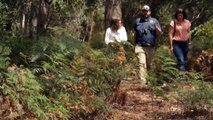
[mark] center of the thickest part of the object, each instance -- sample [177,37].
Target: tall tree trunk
[43,15]
[33,19]
[90,27]
[112,9]
[38,17]
[24,16]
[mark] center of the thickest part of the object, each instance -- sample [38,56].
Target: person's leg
[185,48]
[142,63]
[179,55]
[149,55]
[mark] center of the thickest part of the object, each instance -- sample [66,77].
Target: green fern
[4,57]
[23,87]
[163,68]
[202,36]
[200,96]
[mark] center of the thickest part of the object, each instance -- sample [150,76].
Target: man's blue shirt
[146,31]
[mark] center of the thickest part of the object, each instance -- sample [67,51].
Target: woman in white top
[116,32]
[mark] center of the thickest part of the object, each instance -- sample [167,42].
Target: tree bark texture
[34,17]
[112,10]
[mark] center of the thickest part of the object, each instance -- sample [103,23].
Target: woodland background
[54,64]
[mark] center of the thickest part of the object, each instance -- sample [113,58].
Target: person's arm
[158,29]
[135,33]
[124,34]
[189,30]
[190,37]
[107,34]
[134,37]
[171,30]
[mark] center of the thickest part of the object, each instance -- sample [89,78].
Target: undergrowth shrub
[192,92]
[97,41]
[26,93]
[61,77]
[196,94]
[4,57]
[201,52]
[202,36]
[163,67]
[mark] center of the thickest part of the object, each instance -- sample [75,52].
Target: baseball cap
[146,7]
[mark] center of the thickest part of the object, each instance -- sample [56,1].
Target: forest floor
[141,104]
[135,102]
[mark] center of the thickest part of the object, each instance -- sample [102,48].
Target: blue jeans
[180,49]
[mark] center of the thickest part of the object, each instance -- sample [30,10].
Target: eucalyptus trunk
[34,17]
[112,10]
[43,16]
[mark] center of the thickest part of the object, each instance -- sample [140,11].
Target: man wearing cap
[146,30]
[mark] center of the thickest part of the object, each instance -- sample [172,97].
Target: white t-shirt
[113,36]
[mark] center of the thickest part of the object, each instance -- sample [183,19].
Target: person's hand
[190,45]
[156,26]
[171,49]
[112,44]
[158,29]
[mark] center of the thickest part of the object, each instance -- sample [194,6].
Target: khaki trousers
[145,55]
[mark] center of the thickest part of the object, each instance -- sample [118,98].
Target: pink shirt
[182,30]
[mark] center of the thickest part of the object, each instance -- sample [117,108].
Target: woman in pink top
[179,37]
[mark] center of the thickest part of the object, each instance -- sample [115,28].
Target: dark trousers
[180,49]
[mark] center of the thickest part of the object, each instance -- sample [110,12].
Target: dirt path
[142,104]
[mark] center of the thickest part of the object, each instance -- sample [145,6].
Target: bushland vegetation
[54,63]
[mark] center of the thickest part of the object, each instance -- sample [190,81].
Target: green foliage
[70,14]
[202,36]
[66,74]
[163,69]
[60,76]
[4,57]
[4,16]
[97,41]
[192,91]
[25,90]
[63,78]
[130,11]
[199,95]
[104,69]
[165,14]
